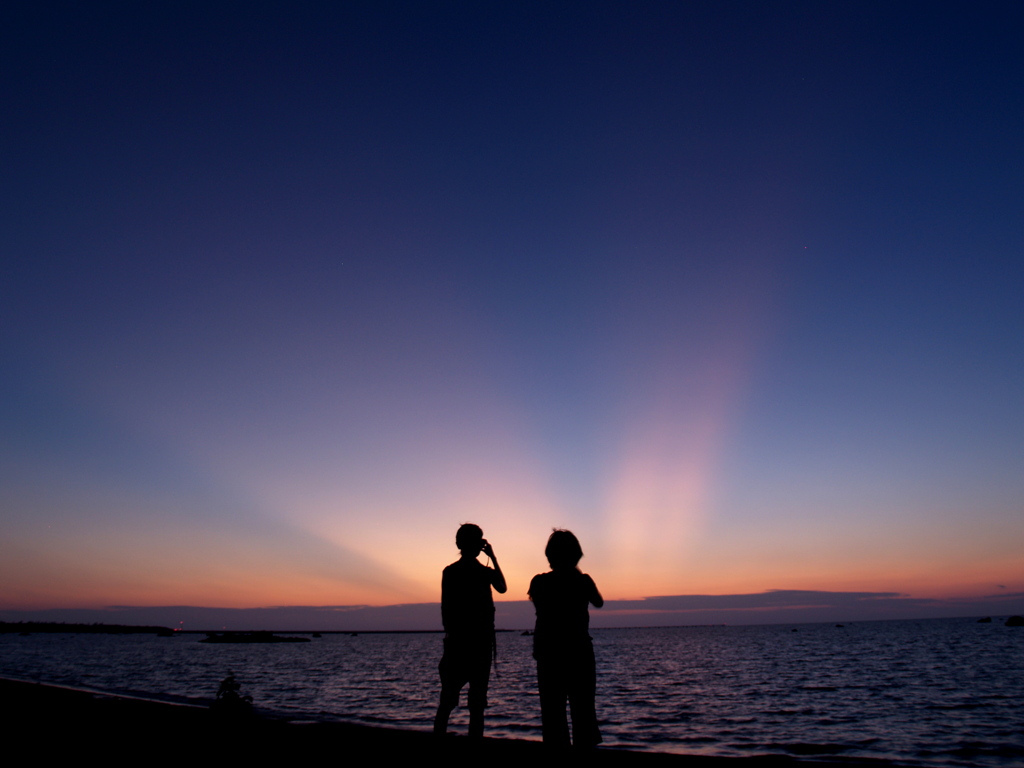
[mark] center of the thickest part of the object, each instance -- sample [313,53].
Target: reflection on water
[945,692]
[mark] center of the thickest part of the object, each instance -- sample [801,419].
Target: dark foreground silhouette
[562,646]
[467,612]
[121,730]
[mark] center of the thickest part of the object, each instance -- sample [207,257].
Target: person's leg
[582,692]
[478,682]
[449,700]
[452,680]
[476,723]
[551,686]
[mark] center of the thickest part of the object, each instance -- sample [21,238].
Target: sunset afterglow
[289,297]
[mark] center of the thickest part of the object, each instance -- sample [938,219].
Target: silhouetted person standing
[467,611]
[562,645]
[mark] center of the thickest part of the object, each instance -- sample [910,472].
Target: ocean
[947,692]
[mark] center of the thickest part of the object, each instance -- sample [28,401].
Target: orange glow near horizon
[304,518]
[226,573]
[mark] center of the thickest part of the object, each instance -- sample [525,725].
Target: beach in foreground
[71,723]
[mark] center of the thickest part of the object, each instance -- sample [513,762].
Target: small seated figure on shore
[230,699]
[562,647]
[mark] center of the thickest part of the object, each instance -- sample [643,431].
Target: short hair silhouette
[468,535]
[467,612]
[566,668]
[563,549]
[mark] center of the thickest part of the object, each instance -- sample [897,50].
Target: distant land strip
[37,627]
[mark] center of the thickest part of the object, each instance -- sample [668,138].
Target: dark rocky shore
[69,724]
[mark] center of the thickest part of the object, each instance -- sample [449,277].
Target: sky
[729,289]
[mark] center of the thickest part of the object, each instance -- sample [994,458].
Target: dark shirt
[561,599]
[466,603]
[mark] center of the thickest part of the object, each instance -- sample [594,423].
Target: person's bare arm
[595,597]
[444,600]
[498,581]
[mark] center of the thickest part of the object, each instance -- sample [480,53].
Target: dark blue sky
[730,289]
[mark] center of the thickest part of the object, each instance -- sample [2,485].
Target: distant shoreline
[56,627]
[772,607]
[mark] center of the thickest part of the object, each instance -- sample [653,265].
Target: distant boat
[250,637]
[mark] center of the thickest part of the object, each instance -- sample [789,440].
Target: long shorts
[466,660]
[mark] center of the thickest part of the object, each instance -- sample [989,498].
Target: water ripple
[940,693]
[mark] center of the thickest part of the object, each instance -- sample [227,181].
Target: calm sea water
[943,692]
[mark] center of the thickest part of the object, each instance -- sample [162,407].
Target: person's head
[469,539]
[563,550]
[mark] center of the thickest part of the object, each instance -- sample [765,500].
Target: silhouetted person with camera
[467,611]
[562,645]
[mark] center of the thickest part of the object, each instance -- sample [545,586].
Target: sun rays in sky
[732,294]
